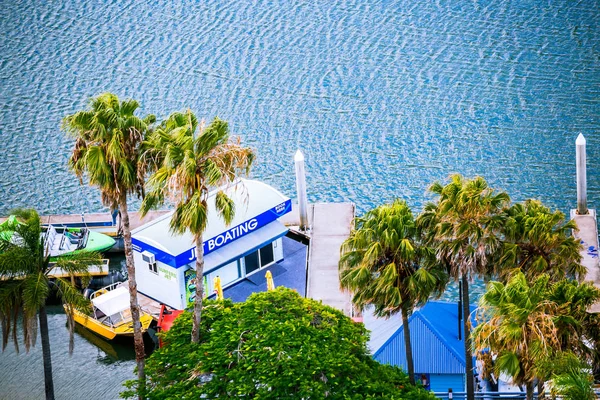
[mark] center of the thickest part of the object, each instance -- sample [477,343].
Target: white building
[165,263]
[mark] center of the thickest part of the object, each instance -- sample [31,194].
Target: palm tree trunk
[199,289]
[467,333]
[133,300]
[409,358]
[541,390]
[529,386]
[47,357]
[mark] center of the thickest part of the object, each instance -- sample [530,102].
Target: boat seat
[98,314]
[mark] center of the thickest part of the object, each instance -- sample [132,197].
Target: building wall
[169,285]
[165,286]
[442,382]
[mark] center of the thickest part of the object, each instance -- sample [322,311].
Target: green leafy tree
[25,285]
[523,322]
[464,228]
[570,379]
[276,345]
[108,148]
[381,265]
[190,160]
[538,241]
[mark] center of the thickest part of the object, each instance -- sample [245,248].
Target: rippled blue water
[383,96]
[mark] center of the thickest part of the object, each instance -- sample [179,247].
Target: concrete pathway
[330,225]
[588,235]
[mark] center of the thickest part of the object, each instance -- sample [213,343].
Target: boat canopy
[113,302]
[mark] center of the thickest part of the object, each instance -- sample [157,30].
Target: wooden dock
[94,270]
[330,225]
[588,235]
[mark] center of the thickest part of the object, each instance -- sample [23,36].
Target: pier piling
[581,175]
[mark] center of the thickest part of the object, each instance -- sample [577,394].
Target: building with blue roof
[438,353]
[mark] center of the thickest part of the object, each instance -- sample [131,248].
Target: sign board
[218,241]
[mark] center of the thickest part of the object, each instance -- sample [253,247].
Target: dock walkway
[588,235]
[331,224]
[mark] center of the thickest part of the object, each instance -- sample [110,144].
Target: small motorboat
[111,315]
[61,241]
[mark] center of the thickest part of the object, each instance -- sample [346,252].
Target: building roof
[257,204]
[434,340]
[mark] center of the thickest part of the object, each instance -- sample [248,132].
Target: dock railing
[495,396]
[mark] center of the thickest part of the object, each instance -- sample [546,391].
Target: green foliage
[25,284]
[537,241]
[187,160]
[108,146]
[571,378]
[384,264]
[276,345]
[529,324]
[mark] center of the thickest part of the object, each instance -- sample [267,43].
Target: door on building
[252,262]
[259,259]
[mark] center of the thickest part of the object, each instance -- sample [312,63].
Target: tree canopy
[529,324]
[276,345]
[384,264]
[188,161]
[25,285]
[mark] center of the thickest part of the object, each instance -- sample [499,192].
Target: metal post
[459,310]
[301,189]
[581,176]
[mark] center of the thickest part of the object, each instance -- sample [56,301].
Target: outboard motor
[87,293]
[103,281]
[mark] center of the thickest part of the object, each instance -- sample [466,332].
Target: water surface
[383,97]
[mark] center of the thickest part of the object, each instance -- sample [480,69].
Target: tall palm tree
[464,228]
[108,140]
[25,285]
[536,241]
[189,161]
[381,264]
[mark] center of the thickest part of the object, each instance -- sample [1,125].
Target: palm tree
[380,264]
[25,285]
[538,241]
[524,322]
[464,227]
[519,327]
[189,161]
[108,139]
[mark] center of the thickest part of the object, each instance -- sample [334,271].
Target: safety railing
[494,396]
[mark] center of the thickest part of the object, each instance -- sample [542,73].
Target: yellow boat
[111,313]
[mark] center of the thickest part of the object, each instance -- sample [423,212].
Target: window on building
[266,255]
[259,259]
[153,268]
[252,262]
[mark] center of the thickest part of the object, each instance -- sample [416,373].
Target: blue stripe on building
[216,242]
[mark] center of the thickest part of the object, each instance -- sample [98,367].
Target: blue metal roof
[434,341]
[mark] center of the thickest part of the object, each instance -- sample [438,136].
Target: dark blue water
[383,97]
